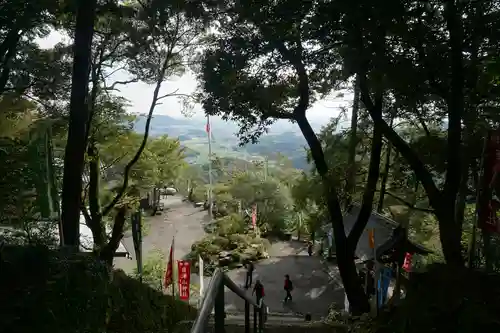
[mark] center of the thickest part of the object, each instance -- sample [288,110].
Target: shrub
[444,299]
[48,291]
[153,269]
[136,307]
[52,291]
[239,248]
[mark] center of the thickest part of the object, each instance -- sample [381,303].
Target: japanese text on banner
[184,273]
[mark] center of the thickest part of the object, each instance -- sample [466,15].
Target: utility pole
[266,167]
[210,181]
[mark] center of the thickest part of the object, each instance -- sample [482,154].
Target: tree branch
[112,87]
[408,204]
[138,154]
[423,175]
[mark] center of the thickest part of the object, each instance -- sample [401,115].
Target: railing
[214,299]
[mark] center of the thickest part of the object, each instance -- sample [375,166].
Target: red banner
[489,196]
[184,272]
[407,262]
[169,272]
[254,216]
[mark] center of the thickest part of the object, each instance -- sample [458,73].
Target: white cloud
[140,94]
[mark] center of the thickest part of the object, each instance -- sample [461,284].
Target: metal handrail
[214,299]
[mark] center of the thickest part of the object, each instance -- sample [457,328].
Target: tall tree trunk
[353,140]
[451,236]
[370,188]
[385,175]
[95,225]
[7,52]
[78,122]
[345,256]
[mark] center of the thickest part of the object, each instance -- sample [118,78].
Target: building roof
[383,228]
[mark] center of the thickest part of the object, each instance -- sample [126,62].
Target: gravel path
[180,219]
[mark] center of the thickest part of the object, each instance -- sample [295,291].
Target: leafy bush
[444,299]
[153,269]
[231,251]
[230,224]
[49,291]
[136,307]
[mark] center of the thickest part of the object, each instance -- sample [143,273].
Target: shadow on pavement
[314,291]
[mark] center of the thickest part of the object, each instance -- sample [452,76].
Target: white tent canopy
[86,238]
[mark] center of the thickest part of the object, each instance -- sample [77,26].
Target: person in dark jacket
[249,276]
[367,278]
[258,290]
[288,286]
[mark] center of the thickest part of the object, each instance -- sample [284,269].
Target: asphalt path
[315,286]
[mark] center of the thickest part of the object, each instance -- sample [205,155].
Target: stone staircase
[276,323]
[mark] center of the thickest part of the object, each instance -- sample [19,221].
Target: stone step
[235,323]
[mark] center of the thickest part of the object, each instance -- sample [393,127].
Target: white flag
[200,273]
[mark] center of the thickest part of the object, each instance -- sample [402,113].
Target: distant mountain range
[283,138]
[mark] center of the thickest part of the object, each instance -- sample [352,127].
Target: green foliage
[153,269]
[444,299]
[231,251]
[52,292]
[138,307]
[58,292]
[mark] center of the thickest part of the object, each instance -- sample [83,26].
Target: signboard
[489,196]
[383,286]
[407,262]
[137,238]
[254,216]
[184,276]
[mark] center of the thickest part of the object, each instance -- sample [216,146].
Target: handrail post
[254,319]
[247,317]
[219,309]
[261,317]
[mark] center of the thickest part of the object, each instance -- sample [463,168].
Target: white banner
[200,273]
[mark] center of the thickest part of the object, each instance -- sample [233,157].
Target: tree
[421,36]
[159,46]
[78,124]
[260,70]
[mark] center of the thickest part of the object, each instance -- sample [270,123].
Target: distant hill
[285,140]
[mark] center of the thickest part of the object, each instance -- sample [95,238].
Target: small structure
[383,230]
[381,247]
[50,229]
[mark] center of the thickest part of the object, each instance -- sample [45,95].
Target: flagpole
[200,273]
[210,180]
[173,267]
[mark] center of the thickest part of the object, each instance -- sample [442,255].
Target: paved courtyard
[314,288]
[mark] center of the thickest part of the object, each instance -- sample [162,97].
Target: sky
[140,94]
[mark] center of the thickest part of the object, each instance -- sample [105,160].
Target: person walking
[288,286]
[310,248]
[249,276]
[258,290]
